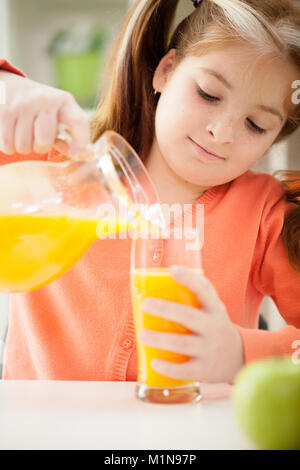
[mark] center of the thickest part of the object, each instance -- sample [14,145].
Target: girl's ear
[163,70]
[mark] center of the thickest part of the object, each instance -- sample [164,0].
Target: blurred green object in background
[79,74]
[78,59]
[266,401]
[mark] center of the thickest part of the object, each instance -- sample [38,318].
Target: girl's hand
[214,346]
[30,115]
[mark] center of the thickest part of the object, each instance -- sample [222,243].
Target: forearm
[258,344]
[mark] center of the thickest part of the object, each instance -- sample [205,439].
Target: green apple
[266,401]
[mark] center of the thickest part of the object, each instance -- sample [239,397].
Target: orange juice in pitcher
[51,212]
[36,249]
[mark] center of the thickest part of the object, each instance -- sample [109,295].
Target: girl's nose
[221,132]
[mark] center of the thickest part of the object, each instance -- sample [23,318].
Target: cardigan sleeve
[5,65]
[274,277]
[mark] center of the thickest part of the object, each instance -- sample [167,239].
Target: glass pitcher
[50,213]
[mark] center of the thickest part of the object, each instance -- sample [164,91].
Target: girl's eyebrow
[219,76]
[271,110]
[223,80]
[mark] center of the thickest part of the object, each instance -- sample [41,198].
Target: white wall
[4,15]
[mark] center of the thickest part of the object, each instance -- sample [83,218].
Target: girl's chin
[190,180]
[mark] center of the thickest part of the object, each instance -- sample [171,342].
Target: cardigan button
[127,344]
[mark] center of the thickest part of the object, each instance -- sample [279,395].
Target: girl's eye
[255,128]
[206,96]
[252,126]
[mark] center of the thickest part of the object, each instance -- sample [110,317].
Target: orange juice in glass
[151,261]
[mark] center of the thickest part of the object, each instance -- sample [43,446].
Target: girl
[200,105]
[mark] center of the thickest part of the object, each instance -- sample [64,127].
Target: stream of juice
[36,249]
[157,282]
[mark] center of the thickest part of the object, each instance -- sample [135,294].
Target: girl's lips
[204,152]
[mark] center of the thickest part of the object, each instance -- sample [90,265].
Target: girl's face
[226,103]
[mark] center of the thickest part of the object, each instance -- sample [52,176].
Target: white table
[106,415]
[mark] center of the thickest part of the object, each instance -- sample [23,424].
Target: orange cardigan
[80,327]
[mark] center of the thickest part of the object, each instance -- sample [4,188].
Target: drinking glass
[151,262]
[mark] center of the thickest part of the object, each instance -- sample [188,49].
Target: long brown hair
[127,102]
[291,227]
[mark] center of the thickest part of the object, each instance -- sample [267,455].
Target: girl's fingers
[62,147]
[194,370]
[23,139]
[7,133]
[45,128]
[192,318]
[44,107]
[190,370]
[187,344]
[76,120]
[200,285]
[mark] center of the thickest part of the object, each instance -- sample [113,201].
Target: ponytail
[127,102]
[290,181]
